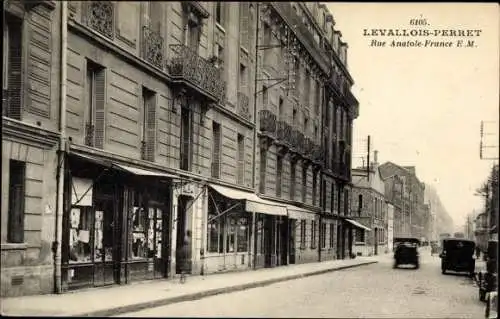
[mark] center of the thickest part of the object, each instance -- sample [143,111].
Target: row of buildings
[128,125]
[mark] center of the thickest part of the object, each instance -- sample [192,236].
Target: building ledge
[13,246]
[18,130]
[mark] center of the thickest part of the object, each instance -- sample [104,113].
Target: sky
[422,106]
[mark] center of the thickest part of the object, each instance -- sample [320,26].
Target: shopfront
[234,240]
[350,228]
[116,224]
[301,222]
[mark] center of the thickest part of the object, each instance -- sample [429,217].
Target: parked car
[406,252]
[458,255]
[487,280]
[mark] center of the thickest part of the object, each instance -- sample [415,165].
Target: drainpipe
[254,146]
[56,245]
[204,217]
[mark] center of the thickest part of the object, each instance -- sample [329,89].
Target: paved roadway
[373,291]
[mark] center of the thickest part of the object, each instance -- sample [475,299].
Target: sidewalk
[134,297]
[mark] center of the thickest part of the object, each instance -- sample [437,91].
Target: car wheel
[417,266]
[443,271]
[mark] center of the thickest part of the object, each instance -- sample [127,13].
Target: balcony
[243,106]
[317,153]
[308,147]
[294,22]
[283,132]
[190,68]
[267,122]
[152,47]
[100,17]
[297,140]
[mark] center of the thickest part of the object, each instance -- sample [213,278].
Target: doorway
[339,241]
[291,240]
[183,224]
[282,241]
[375,242]
[158,227]
[269,241]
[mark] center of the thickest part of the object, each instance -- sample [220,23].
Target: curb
[208,293]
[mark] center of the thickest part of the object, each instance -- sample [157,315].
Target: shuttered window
[346,202]
[313,234]
[314,190]
[332,233]
[241,159]
[263,164]
[216,149]
[185,138]
[279,174]
[303,229]
[149,126]
[304,183]
[12,89]
[323,235]
[243,79]
[15,231]
[244,25]
[293,167]
[332,198]
[96,100]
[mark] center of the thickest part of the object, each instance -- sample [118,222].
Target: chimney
[374,163]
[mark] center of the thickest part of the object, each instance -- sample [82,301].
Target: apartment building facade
[156,125]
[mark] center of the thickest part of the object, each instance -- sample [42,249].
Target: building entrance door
[183,225]
[269,246]
[291,240]
[159,230]
[375,241]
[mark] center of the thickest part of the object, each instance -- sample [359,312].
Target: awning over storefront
[356,224]
[300,213]
[253,203]
[127,168]
[143,172]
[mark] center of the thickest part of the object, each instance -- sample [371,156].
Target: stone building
[370,209]
[176,124]
[406,192]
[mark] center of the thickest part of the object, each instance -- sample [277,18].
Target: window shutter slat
[151,128]
[15,70]
[100,108]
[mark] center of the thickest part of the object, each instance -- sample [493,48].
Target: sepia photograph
[250,159]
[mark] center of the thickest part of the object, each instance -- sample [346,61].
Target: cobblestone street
[373,291]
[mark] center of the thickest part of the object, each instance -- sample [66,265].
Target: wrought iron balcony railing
[189,66]
[318,153]
[100,17]
[152,47]
[243,106]
[267,121]
[297,140]
[308,147]
[89,134]
[283,131]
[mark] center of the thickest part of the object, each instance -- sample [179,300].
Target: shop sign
[81,191]
[187,188]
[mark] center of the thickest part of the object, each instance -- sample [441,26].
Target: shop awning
[356,224]
[300,213]
[253,203]
[143,172]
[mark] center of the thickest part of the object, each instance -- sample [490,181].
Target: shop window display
[139,235]
[81,248]
[242,234]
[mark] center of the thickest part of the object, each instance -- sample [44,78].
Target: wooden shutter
[100,107]
[15,76]
[150,137]
[216,150]
[244,25]
[241,158]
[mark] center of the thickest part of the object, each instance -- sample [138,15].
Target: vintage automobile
[458,255]
[406,251]
[487,280]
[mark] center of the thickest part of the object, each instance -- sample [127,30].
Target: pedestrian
[478,252]
[185,257]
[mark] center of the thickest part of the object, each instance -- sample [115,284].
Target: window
[316,133]
[332,233]
[186,138]
[81,248]
[332,199]
[15,230]
[94,129]
[346,202]
[243,79]
[215,240]
[265,97]
[304,183]
[245,25]
[313,234]
[281,109]
[219,53]
[155,15]
[323,235]
[216,149]
[360,236]
[279,173]
[293,167]
[360,204]
[263,163]
[193,37]
[314,190]
[13,67]
[267,41]
[149,125]
[306,125]
[241,159]
[303,229]
[317,101]
[219,13]
[294,117]
[307,88]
